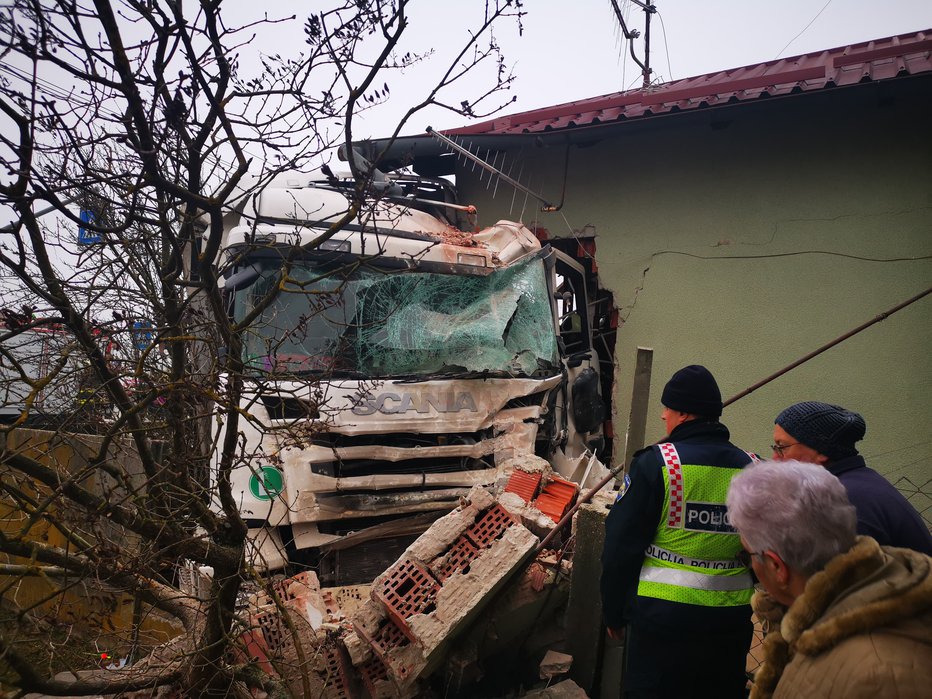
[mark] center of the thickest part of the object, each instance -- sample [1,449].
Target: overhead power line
[803,30]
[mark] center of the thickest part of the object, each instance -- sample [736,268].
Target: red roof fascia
[684,93]
[885,52]
[807,72]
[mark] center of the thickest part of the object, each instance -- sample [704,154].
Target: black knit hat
[693,390]
[829,429]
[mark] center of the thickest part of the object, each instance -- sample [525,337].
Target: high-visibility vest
[693,556]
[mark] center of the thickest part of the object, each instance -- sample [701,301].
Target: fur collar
[819,618]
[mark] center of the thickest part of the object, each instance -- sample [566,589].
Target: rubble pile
[294,635]
[382,641]
[444,578]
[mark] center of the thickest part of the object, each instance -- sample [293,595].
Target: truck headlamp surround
[464,258]
[335,245]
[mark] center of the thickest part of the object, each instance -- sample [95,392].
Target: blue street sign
[142,334]
[86,237]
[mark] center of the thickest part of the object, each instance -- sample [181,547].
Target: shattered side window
[428,323]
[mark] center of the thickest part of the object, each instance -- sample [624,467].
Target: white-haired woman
[858,619]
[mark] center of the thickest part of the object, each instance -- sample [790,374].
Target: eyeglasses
[744,557]
[780,448]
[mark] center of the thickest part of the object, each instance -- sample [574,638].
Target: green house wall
[745,237]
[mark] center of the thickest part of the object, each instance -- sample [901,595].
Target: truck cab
[403,361]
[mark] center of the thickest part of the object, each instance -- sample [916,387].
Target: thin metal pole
[67,201]
[815,353]
[647,13]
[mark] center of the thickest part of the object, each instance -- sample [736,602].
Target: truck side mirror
[242,278]
[588,407]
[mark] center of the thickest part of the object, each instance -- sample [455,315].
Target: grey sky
[571,49]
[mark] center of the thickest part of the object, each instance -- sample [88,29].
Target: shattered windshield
[374,323]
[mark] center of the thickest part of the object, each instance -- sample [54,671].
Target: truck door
[583,403]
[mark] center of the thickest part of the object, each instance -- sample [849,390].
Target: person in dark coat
[671,584]
[825,434]
[850,619]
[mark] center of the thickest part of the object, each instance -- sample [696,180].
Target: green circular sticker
[267,483]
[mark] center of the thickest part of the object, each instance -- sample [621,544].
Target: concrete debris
[441,581]
[301,593]
[529,463]
[532,518]
[536,494]
[555,663]
[343,602]
[454,236]
[379,640]
[516,625]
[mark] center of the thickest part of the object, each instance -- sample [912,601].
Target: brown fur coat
[861,628]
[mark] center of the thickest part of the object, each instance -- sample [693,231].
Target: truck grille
[404,440]
[374,467]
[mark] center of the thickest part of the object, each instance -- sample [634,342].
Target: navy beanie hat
[693,390]
[829,429]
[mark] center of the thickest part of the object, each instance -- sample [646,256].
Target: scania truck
[405,360]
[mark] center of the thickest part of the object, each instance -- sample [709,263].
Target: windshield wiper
[333,373]
[462,374]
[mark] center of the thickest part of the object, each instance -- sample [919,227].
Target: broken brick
[405,589]
[374,676]
[331,668]
[490,526]
[460,555]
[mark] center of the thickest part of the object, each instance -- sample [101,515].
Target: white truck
[404,362]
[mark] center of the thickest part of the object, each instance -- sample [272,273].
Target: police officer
[670,571]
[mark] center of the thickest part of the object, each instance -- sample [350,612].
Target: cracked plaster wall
[768,184]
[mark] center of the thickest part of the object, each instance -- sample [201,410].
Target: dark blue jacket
[632,524]
[883,512]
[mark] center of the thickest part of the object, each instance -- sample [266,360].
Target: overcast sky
[571,49]
[580,51]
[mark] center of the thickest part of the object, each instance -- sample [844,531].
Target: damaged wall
[744,237]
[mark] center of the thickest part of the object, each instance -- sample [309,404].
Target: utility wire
[804,29]
[831,253]
[666,47]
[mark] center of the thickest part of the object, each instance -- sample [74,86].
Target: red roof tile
[523,484]
[881,59]
[556,497]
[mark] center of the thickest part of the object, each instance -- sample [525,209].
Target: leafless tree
[135,123]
